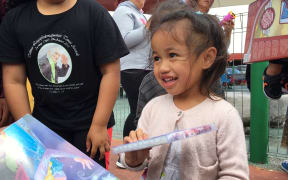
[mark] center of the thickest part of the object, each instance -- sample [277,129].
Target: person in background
[275,84]
[133,27]
[204,6]
[6,117]
[80,107]
[189,54]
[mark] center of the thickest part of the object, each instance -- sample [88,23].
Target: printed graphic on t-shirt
[54,53]
[54,63]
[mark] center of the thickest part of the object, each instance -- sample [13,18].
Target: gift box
[29,150]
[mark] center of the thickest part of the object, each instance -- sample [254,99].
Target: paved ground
[256,173]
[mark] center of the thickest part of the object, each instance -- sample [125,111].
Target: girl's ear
[209,56]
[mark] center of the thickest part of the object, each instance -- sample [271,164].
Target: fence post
[259,112]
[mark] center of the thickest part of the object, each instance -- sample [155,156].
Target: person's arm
[138,160]
[142,101]
[228,27]
[4,110]
[97,136]
[125,23]
[233,161]
[4,113]
[14,83]
[149,88]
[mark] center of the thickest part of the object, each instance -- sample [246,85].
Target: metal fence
[236,93]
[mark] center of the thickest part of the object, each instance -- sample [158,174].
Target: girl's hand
[135,158]
[64,59]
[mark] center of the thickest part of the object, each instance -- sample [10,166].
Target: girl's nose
[164,66]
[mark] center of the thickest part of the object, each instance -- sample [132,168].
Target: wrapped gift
[31,151]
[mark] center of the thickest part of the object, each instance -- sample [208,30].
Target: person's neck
[136,4]
[52,7]
[188,99]
[203,10]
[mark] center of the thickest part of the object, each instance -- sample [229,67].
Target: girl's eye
[156,58]
[172,55]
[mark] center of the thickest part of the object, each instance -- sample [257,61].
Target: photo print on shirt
[54,63]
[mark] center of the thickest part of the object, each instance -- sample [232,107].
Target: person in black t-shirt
[79,104]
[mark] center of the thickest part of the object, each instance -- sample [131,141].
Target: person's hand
[228,27]
[97,138]
[135,158]
[147,25]
[64,59]
[55,57]
[4,112]
[85,162]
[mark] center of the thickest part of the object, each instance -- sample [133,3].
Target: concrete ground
[256,173]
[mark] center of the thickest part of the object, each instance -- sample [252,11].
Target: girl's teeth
[170,79]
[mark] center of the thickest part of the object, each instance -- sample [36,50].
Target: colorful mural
[267,31]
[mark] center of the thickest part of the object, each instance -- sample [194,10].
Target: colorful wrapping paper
[31,151]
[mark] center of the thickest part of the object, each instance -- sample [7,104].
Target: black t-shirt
[62,54]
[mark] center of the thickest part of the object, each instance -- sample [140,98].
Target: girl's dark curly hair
[164,8]
[159,12]
[202,31]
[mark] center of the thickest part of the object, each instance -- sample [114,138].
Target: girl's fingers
[127,140]
[133,136]
[145,136]
[139,134]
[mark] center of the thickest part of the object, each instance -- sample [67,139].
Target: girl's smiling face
[175,67]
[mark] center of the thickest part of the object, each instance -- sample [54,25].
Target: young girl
[189,54]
